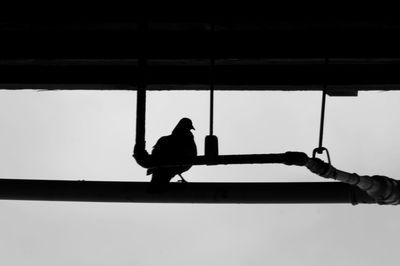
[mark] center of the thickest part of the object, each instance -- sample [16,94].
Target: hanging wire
[320,149]
[211,79]
[211,141]
[321,127]
[211,103]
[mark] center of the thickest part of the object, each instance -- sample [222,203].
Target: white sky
[90,135]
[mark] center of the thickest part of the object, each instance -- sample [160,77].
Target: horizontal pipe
[288,158]
[102,191]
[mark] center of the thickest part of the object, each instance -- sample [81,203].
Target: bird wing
[160,151]
[162,147]
[175,147]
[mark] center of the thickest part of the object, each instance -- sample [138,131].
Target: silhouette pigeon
[179,145]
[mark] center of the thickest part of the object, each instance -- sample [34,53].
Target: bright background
[90,135]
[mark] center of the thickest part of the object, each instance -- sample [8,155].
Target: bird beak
[192,127]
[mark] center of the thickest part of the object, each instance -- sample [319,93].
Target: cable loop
[320,150]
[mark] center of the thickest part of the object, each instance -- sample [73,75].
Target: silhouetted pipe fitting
[211,148]
[317,166]
[382,189]
[141,156]
[385,190]
[296,158]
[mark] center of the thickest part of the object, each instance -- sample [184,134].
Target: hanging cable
[211,76]
[321,127]
[320,149]
[211,141]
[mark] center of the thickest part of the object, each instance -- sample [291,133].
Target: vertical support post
[140,152]
[141,118]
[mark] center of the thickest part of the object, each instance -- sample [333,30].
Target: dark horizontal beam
[193,44]
[251,52]
[186,38]
[101,191]
[362,76]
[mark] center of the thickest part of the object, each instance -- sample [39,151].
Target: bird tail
[159,181]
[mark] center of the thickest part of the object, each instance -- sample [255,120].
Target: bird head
[185,124]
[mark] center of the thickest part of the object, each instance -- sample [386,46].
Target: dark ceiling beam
[267,36]
[102,191]
[195,77]
[252,53]
[126,44]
